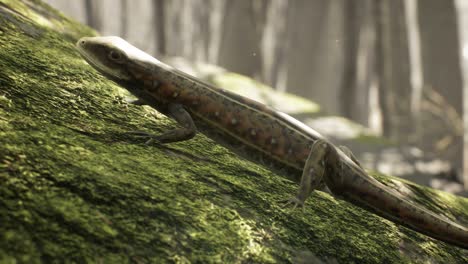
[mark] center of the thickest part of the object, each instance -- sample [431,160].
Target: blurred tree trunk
[359,96]
[315,58]
[415,67]
[239,48]
[359,59]
[462,12]
[439,33]
[258,10]
[394,75]
[196,28]
[442,78]
[93,16]
[273,37]
[218,10]
[351,37]
[414,46]
[124,19]
[160,26]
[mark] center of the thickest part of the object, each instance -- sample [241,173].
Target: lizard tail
[396,208]
[363,190]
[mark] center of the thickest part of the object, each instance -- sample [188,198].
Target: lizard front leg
[183,118]
[312,173]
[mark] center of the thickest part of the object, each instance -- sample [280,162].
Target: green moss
[75,187]
[374,140]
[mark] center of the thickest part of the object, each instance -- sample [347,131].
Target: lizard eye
[115,56]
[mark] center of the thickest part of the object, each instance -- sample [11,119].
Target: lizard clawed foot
[293,202]
[142,134]
[135,101]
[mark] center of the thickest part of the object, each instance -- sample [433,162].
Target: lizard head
[114,57]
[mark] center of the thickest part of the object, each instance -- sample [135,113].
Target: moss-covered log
[74,186]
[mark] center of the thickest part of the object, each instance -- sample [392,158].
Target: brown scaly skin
[355,186]
[256,132]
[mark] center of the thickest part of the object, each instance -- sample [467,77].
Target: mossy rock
[76,188]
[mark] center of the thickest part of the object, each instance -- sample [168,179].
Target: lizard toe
[292,202]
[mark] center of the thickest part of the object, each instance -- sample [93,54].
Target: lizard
[256,132]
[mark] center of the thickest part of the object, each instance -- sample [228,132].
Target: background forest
[397,67]
[385,78]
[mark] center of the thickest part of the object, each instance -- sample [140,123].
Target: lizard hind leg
[350,155]
[312,174]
